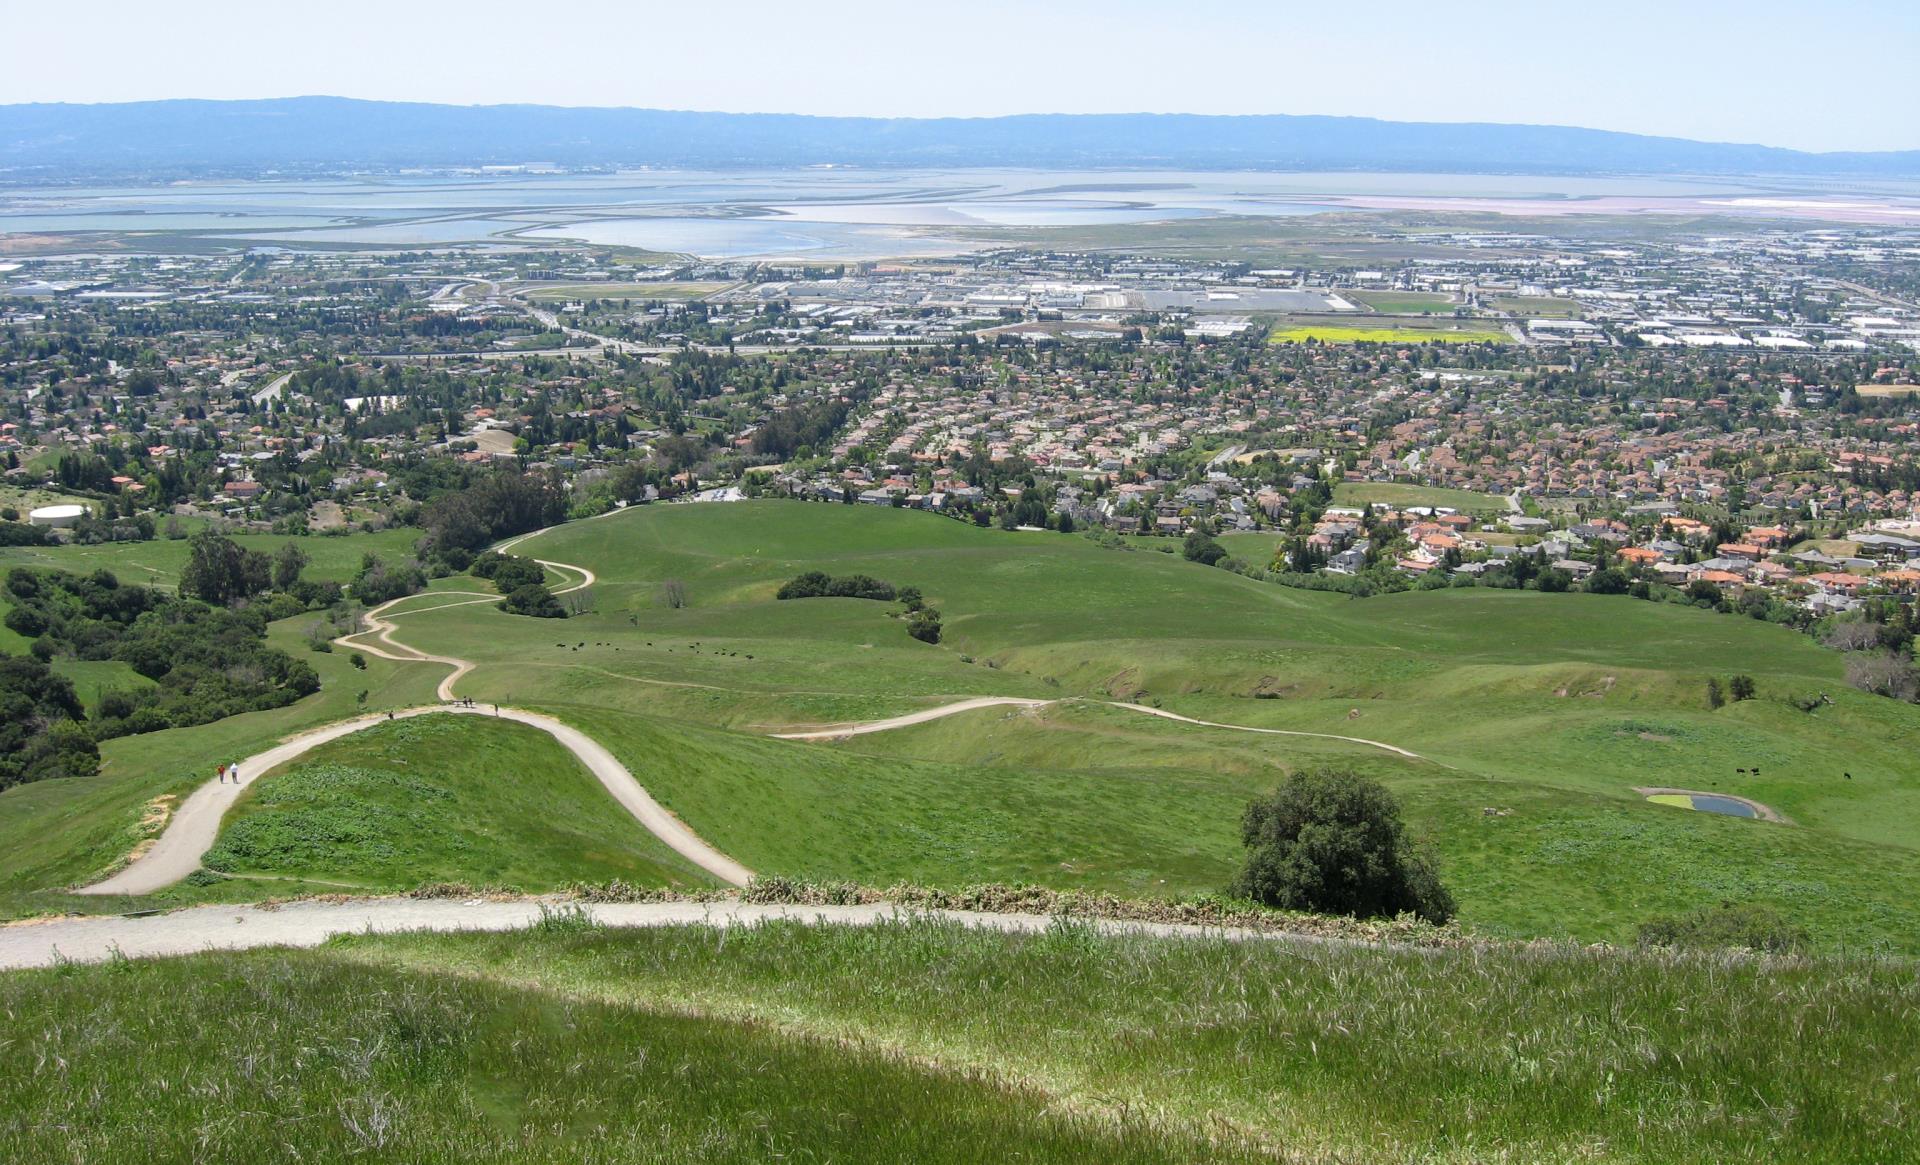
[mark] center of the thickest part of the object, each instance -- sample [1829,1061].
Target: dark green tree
[288,562]
[221,571]
[1330,840]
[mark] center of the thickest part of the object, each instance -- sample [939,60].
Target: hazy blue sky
[1838,74]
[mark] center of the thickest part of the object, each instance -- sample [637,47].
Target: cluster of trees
[1199,546]
[499,505]
[534,600]
[816,584]
[1878,642]
[508,572]
[805,426]
[923,622]
[522,581]
[41,733]
[379,581]
[206,662]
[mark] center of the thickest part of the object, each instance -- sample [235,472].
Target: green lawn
[927,1041]
[1546,307]
[440,799]
[1404,302]
[1362,493]
[1553,705]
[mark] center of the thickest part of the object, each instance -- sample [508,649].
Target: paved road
[273,388]
[306,924]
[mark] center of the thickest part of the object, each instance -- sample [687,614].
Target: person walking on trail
[233,770]
[220,771]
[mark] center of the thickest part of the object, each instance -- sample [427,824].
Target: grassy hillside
[439,799]
[1535,716]
[929,1042]
[1553,707]
[54,834]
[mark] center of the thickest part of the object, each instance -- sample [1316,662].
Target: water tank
[58,517]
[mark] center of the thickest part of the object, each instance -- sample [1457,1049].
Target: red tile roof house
[1905,582]
[1834,582]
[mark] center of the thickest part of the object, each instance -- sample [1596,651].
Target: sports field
[1361,493]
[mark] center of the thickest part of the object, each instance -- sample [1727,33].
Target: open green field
[1411,303]
[1393,493]
[1551,706]
[158,563]
[565,292]
[92,677]
[1546,307]
[1402,331]
[1548,710]
[928,1042]
[439,799]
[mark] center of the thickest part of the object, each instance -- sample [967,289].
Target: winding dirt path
[841,732]
[195,825]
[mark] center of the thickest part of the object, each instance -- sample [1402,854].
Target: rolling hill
[321,132]
[1528,723]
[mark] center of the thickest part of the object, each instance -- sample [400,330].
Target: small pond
[1706,803]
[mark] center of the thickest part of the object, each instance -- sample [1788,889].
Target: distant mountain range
[47,142]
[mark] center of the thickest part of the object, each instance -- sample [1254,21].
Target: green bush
[1201,548]
[924,625]
[1332,841]
[1728,926]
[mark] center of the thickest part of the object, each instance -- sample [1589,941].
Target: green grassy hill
[462,799]
[1535,716]
[928,1042]
[1552,707]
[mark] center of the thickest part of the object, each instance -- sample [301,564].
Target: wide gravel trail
[309,923]
[196,824]
[861,728]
